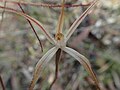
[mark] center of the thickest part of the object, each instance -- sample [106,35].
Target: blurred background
[97,38]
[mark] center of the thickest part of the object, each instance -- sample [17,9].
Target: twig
[49,5]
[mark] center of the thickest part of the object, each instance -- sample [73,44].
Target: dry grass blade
[48,36]
[85,62]
[32,29]
[58,57]
[2,84]
[41,64]
[48,5]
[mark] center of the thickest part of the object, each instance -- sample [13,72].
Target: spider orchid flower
[59,42]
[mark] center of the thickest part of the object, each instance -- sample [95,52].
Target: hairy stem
[58,57]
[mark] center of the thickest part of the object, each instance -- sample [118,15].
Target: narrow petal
[61,19]
[85,62]
[41,64]
[48,36]
[79,20]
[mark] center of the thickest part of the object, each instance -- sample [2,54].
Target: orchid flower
[59,43]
